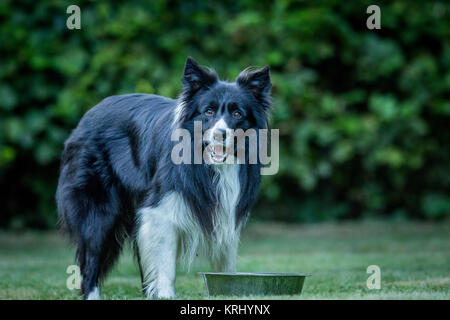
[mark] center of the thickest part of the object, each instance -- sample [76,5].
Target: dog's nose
[220,135]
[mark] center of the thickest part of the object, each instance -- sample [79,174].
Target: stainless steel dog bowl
[247,284]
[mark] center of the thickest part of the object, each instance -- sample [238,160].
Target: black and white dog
[118,179]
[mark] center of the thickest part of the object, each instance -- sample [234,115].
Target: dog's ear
[257,81]
[196,77]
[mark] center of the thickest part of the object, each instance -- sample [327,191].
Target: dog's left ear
[196,77]
[257,81]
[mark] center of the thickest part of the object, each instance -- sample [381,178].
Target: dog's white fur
[178,112]
[221,124]
[94,294]
[170,230]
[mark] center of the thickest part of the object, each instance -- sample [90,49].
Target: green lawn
[414,260]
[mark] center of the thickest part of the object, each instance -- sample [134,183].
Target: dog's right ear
[196,77]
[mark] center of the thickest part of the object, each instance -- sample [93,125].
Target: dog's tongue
[219,150]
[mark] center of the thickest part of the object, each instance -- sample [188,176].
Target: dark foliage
[363,114]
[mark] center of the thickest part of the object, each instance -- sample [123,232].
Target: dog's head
[223,107]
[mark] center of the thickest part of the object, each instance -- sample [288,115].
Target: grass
[414,260]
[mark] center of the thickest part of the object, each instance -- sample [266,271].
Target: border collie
[117,178]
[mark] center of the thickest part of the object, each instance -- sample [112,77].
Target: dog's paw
[160,294]
[166,293]
[94,294]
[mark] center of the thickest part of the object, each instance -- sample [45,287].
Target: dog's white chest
[228,191]
[228,187]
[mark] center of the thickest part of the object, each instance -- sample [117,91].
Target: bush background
[363,114]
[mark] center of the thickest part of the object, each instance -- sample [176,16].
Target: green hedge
[363,115]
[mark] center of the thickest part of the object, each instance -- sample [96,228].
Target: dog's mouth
[218,153]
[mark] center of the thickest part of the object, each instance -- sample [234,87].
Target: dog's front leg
[157,242]
[225,260]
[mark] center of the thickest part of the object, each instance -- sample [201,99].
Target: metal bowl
[247,284]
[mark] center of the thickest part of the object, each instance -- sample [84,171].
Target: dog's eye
[209,112]
[237,115]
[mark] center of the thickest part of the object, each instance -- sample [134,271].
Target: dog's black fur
[117,160]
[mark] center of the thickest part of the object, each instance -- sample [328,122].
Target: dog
[118,181]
